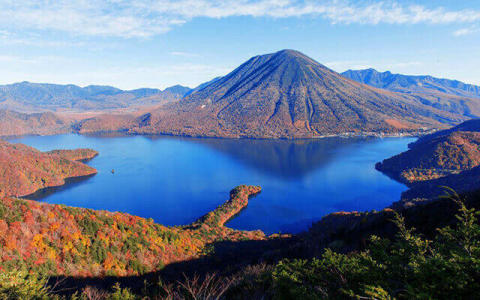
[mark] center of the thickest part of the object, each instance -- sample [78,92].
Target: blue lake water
[176,180]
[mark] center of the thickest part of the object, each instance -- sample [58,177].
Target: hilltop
[15,123]
[419,83]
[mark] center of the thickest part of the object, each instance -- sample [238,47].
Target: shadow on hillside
[227,258]
[69,183]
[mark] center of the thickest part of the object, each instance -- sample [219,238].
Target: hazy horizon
[158,44]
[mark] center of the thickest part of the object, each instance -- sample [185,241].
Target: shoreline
[122,133]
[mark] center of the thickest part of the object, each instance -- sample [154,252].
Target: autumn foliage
[60,240]
[24,170]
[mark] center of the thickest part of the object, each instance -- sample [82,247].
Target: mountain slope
[449,95]
[434,158]
[24,170]
[446,158]
[28,97]
[14,123]
[202,85]
[470,125]
[287,94]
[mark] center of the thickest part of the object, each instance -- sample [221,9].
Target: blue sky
[159,43]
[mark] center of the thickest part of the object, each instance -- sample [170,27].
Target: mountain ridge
[445,94]
[33,97]
[392,81]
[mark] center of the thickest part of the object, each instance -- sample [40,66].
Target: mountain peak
[290,52]
[293,55]
[288,94]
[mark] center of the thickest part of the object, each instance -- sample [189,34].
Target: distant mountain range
[34,97]
[445,94]
[402,83]
[287,94]
[279,95]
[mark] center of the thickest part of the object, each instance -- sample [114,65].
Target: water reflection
[283,158]
[69,183]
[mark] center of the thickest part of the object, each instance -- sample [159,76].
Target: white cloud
[145,18]
[466,31]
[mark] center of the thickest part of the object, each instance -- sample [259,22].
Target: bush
[21,285]
[89,227]
[120,294]
[410,267]
[99,253]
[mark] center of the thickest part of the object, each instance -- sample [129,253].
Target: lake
[176,180]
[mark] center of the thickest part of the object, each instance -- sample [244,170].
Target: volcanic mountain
[289,95]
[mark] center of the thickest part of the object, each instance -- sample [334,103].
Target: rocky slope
[24,170]
[445,94]
[287,94]
[34,97]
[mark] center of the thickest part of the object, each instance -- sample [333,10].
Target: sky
[160,43]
